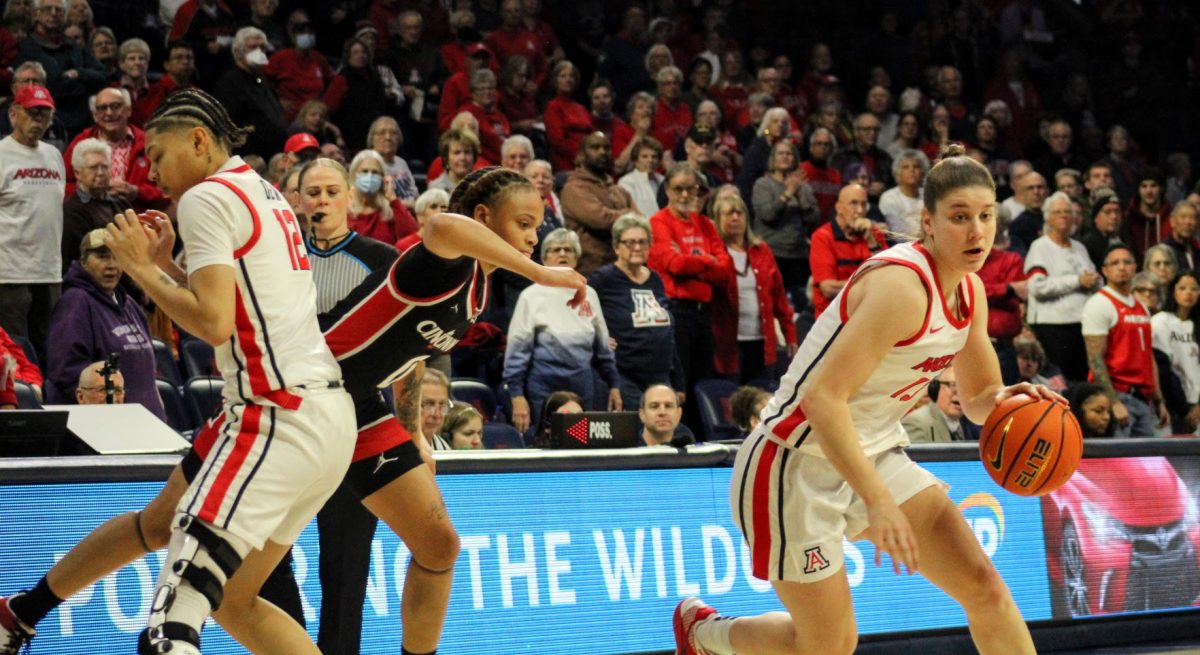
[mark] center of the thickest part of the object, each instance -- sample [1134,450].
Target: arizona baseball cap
[300,141]
[33,95]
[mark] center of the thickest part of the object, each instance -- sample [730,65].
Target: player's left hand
[129,242]
[566,278]
[1029,389]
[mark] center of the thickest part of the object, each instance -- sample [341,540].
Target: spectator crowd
[717,168]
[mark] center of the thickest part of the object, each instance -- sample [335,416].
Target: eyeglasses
[1162,263]
[96,168]
[435,405]
[112,106]
[822,144]
[560,250]
[634,244]
[685,189]
[1145,290]
[116,389]
[866,128]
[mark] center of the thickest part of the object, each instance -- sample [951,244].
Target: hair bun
[954,150]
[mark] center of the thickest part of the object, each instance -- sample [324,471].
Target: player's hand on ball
[1031,390]
[128,241]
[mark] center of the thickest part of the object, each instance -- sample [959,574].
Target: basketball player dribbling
[379,333]
[828,463]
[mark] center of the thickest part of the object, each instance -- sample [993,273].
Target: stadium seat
[27,346]
[26,396]
[202,396]
[500,436]
[165,365]
[713,396]
[198,358]
[178,416]
[475,393]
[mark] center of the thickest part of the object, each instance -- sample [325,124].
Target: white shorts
[271,469]
[794,509]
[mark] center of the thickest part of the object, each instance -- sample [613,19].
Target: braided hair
[486,186]
[195,108]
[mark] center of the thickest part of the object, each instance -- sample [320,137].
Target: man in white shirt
[32,186]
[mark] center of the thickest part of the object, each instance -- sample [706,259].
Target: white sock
[712,634]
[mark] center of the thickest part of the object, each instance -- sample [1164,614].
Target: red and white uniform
[278,397]
[793,506]
[1126,323]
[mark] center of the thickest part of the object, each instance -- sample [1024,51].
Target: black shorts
[367,476]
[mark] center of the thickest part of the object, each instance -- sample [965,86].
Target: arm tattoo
[407,391]
[1100,373]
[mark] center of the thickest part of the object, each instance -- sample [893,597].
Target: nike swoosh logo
[998,460]
[936,329]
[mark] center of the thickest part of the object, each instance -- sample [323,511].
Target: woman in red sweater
[567,121]
[745,309]
[687,253]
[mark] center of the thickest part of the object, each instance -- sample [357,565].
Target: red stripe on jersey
[916,269]
[761,510]
[260,384]
[1035,270]
[254,236]
[203,442]
[369,317]
[954,320]
[783,429]
[244,442]
[378,438]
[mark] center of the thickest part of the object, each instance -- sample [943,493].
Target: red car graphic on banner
[1122,536]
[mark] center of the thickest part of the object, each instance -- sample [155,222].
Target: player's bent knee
[154,529]
[438,550]
[984,590]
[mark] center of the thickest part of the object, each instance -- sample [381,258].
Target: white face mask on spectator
[305,41]
[256,57]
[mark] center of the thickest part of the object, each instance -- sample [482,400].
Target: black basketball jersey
[420,306]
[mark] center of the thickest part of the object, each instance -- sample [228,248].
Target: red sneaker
[13,632]
[688,613]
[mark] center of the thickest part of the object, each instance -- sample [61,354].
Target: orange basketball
[1031,446]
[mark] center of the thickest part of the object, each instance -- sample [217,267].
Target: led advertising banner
[1122,536]
[584,562]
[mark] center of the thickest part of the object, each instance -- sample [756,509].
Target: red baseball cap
[478,49]
[33,95]
[300,141]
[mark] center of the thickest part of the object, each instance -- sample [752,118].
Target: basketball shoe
[688,613]
[13,632]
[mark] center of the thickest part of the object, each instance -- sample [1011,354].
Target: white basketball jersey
[238,219]
[900,379]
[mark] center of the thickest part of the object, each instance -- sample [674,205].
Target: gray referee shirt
[337,271]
